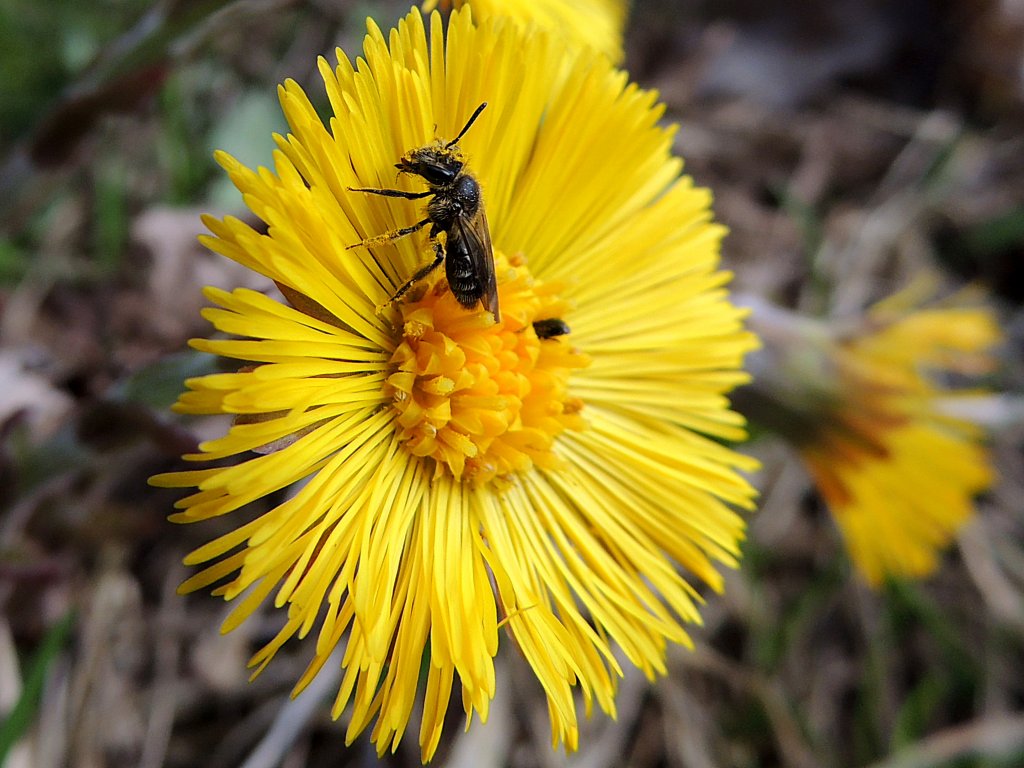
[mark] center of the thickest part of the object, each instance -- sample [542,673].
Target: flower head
[594,23]
[466,477]
[869,411]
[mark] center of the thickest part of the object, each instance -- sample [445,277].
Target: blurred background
[853,147]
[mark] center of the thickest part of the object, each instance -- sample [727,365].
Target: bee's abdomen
[462,278]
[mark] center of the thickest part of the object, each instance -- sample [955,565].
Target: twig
[294,715]
[995,738]
[166,685]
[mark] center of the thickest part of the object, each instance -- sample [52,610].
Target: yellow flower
[867,409]
[594,23]
[464,476]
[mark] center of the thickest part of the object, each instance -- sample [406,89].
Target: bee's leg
[387,237]
[392,192]
[420,274]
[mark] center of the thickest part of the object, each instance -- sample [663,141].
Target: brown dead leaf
[181,268]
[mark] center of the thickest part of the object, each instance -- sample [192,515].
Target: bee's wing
[476,236]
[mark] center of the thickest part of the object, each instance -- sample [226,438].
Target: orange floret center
[484,399]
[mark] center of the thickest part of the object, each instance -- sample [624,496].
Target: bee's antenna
[465,128]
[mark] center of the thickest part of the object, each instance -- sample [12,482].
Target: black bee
[548,329]
[457,209]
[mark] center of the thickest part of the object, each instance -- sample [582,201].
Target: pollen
[484,400]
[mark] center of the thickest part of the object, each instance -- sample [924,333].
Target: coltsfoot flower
[463,478]
[869,410]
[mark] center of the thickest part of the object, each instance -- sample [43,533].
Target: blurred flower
[869,410]
[463,475]
[594,23]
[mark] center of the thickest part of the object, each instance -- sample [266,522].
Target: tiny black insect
[547,329]
[457,209]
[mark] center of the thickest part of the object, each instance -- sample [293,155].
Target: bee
[548,329]
[457,210]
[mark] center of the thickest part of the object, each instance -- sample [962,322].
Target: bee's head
[437,164]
